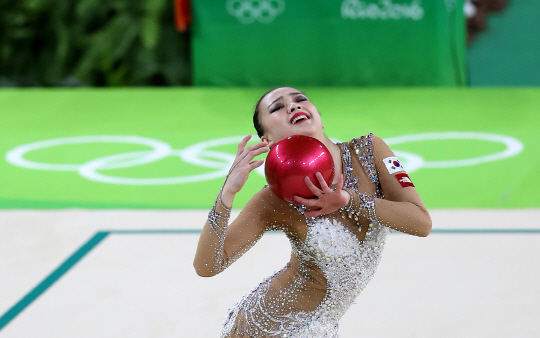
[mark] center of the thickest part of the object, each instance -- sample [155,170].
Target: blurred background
[60,43]
[119,121]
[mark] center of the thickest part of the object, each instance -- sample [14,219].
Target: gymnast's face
[287,111]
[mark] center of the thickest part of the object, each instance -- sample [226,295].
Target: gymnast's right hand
[242,166]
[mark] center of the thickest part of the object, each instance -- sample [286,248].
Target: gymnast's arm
[402,209]
[221,244]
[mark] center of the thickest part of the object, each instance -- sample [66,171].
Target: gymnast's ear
[266,139]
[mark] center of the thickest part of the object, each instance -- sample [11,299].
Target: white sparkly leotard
[333,256]
[347,264]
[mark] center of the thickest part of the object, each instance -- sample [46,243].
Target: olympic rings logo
[249,11]
[202,155]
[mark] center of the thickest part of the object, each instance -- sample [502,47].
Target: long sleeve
[401,207]
[221,243]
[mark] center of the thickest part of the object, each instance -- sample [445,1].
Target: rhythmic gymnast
[337,238]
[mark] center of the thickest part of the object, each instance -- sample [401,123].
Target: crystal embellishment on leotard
[346,262]
[351,185]
[348,265]
[362,147]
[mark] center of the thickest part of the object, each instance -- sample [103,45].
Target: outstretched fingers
[254,152]
[255,164]
[312,187]
[327,200]
[324,187]
[339,183]
[242,145]
[247,154]
[243,164]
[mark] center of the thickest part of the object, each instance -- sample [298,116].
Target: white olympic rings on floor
[201,155]
[249,11]
[513,147]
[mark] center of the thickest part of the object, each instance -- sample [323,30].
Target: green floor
[194,133]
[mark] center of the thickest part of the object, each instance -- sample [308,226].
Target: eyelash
[276,108]
[299,99]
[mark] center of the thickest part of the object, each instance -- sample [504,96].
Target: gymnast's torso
[333,258]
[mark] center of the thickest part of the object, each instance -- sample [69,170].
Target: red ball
[292,159]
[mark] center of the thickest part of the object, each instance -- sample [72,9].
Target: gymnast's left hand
[327,200]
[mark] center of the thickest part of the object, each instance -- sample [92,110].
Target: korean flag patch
[393,165]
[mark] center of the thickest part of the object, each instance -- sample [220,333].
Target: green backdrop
[327,43]
[190,119]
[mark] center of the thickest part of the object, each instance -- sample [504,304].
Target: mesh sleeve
[222,243]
